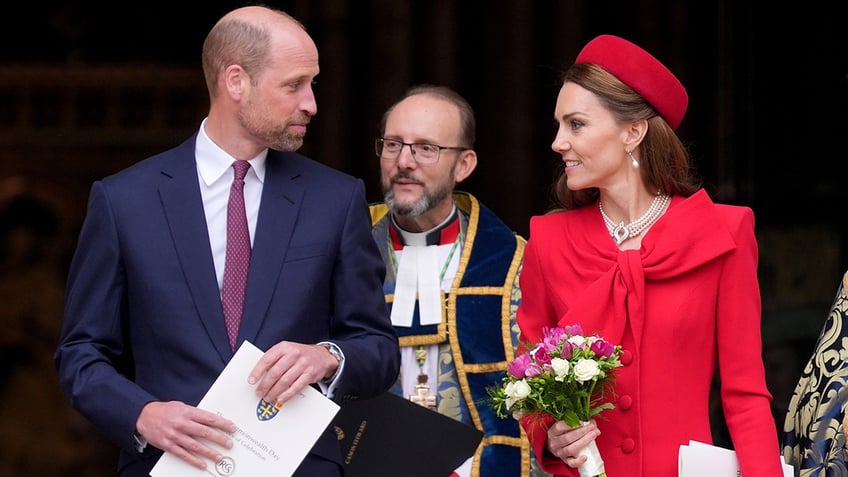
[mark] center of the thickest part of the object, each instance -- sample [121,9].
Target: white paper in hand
[704,460]
[269,441]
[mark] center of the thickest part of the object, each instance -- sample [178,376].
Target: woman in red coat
[641,255]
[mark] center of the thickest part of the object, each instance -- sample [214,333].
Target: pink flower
[574,330]
[518,366]
[567,349]
[603,348]
[541,356]
[532,370]
[553,336]
[548,345]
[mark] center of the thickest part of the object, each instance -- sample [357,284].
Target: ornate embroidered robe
[477,334]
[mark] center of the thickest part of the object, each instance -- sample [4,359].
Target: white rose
[586,370]
[515,392]
[520,389]
[578,341]
[560,367]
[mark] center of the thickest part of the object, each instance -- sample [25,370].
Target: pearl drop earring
[633,160]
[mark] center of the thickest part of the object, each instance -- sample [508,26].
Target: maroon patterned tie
[238,254]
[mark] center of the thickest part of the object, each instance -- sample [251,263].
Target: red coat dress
[688,300]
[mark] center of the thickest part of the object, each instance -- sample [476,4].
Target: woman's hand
[565,441]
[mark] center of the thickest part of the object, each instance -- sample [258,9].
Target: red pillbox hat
[638,69]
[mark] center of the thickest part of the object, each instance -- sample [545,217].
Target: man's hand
[286,368]
[180,429]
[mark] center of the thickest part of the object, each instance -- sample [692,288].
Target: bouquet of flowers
[566,375]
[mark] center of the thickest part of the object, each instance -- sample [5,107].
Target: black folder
[390,436]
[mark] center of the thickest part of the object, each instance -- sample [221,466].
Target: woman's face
[589,139]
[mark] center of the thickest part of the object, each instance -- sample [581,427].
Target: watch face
[333,351]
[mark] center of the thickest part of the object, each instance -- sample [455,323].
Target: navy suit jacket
[143,315]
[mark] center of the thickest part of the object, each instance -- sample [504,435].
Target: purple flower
[603,348]
[541,355]
[574,330]
[553,336]
[532,370]
[518,366]
[567,350]
[548,345]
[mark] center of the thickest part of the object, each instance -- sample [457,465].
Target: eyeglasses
[423,153]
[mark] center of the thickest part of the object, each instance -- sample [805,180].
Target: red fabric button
[625,402]
[627,445]
[626,357]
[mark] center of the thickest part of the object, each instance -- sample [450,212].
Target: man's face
[412,189]
[281,101]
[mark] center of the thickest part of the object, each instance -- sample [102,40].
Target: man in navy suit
[144,334]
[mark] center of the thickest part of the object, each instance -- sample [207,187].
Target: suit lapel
[180,193]
[281,200]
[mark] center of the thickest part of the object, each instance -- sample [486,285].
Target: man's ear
[235,81]
[465,165]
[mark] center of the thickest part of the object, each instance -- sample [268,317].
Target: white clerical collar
[441,234]
[418,272]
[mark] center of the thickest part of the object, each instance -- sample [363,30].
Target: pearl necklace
[622,232]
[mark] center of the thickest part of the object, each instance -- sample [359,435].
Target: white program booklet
[704,460]
[269,440]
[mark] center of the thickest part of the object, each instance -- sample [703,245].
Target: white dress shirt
[215,172]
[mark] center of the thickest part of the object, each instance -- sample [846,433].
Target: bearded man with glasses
[452,270]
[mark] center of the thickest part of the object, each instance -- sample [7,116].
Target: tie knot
[241,168]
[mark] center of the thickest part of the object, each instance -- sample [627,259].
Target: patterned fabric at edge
[814,433]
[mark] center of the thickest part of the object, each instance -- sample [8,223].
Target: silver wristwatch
[337,353]
[333,349]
